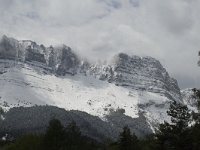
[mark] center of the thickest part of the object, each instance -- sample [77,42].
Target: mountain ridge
[64,61]
[32,74]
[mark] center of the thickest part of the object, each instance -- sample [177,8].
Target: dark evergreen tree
[73,138]
[176,135]
[135,142]
[1,111]
[56,138]
[195,129]
[73,130]
[55,135]
[127,141]
[180,116]
[26,142]
[196,95]
[196,136]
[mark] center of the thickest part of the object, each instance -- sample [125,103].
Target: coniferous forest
[182,133]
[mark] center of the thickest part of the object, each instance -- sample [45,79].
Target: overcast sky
[168,30]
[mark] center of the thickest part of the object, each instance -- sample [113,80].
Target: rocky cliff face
[128,71]
[60,59]
[32,74]
[140,73]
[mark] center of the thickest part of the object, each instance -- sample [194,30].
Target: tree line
[182,133]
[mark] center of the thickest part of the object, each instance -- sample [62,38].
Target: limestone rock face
[69,62]
[9,48]
[140,73]
[118,91]
[61,59]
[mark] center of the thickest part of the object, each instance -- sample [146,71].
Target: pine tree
[73,130]
[73,135]
[196,96]
[176,135]
[180,116]
[127,141]
[1,111]
[195,129]
[55,135]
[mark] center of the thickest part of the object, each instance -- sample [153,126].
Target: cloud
[167,30]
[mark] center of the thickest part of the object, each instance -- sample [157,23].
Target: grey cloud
[177,16]
[167,30]
[135,3]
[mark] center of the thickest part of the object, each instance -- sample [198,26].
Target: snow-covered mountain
[32,74]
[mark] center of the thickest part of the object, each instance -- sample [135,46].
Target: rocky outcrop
[61,59]
[31,55]
[69,62]
[140,73]
[9,48]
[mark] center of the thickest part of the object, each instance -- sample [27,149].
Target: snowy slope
[27,85]
[24,85]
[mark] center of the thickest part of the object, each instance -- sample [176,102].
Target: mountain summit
[131,86]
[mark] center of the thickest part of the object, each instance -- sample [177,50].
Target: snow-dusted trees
[176,135]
